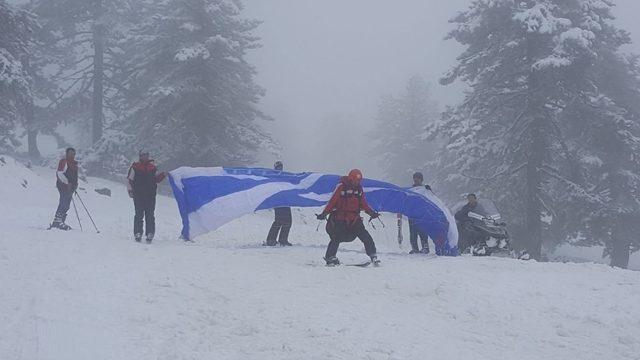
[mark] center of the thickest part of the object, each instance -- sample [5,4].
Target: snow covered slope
[80,295]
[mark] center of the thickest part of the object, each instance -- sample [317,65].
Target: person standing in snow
[345,223]
[281,223]
[414,232]
[67,183]
[143,185]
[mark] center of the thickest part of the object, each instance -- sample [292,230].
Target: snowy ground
[81,295]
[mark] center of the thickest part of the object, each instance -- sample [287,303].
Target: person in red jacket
[345,223]
[143,185]
[67,183]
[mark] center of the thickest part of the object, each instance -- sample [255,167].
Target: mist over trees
[188,94]
[16,38]
[166,76]
[398,131]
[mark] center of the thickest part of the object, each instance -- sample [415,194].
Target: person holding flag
[143,180]
[344,223]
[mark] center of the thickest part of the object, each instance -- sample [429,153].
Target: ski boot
[63,226]
[149,238]
[414,251]
[137,237]
[375,261]
[58,222]
[267,243]
[285,243]
[59,225]
[332,261]
[425,251]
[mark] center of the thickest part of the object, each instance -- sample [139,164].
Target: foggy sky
[324,62]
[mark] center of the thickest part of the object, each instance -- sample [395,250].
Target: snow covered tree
[603,126]
[16,29]
[83,44]
[525,63]
[191,94]
[399,126]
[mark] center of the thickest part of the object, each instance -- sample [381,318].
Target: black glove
[374,215]
[321,216]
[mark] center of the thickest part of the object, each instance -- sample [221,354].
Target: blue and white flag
[211,197]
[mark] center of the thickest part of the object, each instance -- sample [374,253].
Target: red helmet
[355,176]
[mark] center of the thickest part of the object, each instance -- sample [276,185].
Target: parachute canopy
[211,197]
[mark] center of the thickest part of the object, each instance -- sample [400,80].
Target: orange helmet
[355,176]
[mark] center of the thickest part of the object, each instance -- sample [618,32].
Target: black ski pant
[145,206]
[341,231]
[414,234]
[282,225]
[64,203]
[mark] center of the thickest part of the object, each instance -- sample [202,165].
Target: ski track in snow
[80,295]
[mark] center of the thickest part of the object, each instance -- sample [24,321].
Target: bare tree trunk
[621,247]
[535,150]
[533,188]
[32,132]
[620,253]
[98,72]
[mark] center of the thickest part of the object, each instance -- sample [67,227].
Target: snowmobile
[485,234]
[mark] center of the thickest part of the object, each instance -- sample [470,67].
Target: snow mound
[81,295]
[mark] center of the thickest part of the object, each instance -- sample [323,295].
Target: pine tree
[525,62]
[193,100]
[82,46]
[399,127]
[16,29]
[603,126]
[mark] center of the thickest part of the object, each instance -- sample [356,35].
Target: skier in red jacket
[67,183]
[345,223]
[143,185]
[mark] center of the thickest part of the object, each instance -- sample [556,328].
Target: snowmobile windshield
[487,209]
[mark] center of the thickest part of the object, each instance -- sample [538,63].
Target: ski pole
[371,223]
[88,213]
[77,215]
[373,226]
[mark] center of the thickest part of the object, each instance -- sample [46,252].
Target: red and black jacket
[143,178]
[347,201]
[67,175]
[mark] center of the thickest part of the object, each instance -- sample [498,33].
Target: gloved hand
[374,215]
[131,194]
[321,216]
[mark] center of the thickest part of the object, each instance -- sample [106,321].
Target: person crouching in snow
[143,185]
[67,183]
[345,223]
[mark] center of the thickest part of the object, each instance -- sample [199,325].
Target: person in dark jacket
[462,215]
[282,222]
[345,223]
[67,183]
[143,179]
[414,232]
[462,220]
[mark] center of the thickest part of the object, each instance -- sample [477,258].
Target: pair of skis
[362,264]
